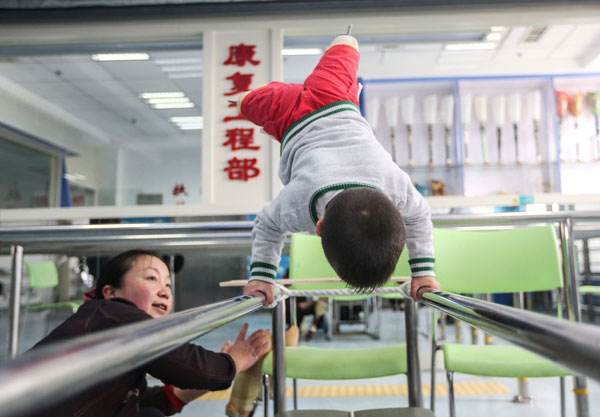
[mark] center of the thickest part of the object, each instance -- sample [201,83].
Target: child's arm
[419,240]
[268,235]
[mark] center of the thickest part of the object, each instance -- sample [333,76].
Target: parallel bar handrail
[573,345]
[60,370]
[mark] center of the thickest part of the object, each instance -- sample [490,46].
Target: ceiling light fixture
[168,100]
[494,36]
[166,94]
[190,127]
[470,46]
[498,28]
[195,74]
[187,105]
[301,51]
[187,119]
[177,61]
[121,57]
[182,68]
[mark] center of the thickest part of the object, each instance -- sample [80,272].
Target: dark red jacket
[188,366]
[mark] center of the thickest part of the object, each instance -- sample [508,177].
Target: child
[136,286]
[340,183]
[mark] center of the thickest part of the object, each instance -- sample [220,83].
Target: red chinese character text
[242,169]
[179,189]
[240,139]
[241,82]
[240,54]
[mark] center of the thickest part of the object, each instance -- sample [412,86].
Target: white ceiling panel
[152,85]
[133,70]
[25,72]
[51,89]
[78,104]
[73,71]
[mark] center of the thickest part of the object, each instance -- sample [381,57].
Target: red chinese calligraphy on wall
[179,189]
[241,83]
[242,169]
[239,139]
[241,54]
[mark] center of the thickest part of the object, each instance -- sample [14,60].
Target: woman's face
[148,285]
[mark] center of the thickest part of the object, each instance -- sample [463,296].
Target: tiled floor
[544,391]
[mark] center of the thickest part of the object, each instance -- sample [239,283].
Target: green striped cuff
[262,270]
[421,266]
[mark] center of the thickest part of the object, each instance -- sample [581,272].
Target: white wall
[149,170]
[29,113]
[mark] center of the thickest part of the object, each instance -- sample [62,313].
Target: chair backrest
[307,260]
[497,261]
[42,274]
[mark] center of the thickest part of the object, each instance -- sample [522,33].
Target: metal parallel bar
[279,375]
[415,397]
[570,344]
[14,303]
[55,372]
[15,234]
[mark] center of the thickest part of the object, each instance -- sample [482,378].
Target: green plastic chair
[489,262]
[306,362]
[45,275]
[589,290]
[307,260]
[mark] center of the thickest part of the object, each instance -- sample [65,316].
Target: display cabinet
[490,135]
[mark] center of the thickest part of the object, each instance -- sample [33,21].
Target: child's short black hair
[363,235]
[116,268]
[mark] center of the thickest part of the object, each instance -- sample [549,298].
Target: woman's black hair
[115,269]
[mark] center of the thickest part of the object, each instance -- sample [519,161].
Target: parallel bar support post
[16,253]
[522,384]
[294,322]
[279,374]
[415,397]
[587,274]
[574,313]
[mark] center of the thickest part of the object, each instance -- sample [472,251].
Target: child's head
[363,236]
[140,277]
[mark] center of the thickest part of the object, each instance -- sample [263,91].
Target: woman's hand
[245,352]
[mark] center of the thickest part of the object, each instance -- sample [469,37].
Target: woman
[136,286]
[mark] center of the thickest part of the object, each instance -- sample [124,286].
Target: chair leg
[450,379]
[563,406]
[331,316]
[266,392]
[295,387]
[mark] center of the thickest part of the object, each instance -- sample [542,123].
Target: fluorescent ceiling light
[168,100]
[494,36]
[166,94]
[498,28]
[182,68]
[470,46]
[185,75]
[177,61]
[187,105]
[121,57]
[190,127]
[301,51]
[183,119]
